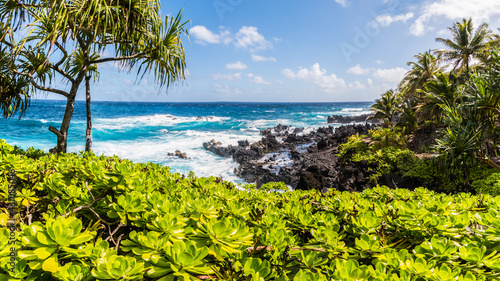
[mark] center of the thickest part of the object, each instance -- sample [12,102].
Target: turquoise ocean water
[147,132]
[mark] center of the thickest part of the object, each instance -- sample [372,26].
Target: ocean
[148,132]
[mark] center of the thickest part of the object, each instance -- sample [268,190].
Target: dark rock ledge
[340,119]
[301,160]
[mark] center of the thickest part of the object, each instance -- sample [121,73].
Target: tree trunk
[88,132]
[62,134]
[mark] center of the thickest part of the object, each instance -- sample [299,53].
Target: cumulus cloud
[358,70]
[480,10]
[202,35]
[393,75]
[249,37]
[357,85]
[258,58]
[318,76]
[228,77]
[258,79]
[226,89]
[386,20]
[342,3]
[387,75]
[237,65]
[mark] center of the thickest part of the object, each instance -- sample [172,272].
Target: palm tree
[467,44]
[422,71]
[386,108]
[75,31]
[439,92]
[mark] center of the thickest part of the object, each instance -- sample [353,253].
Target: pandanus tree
[14,90]
[466,45]
[46,41]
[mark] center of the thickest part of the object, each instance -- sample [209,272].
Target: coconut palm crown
[467,44]
[422,70]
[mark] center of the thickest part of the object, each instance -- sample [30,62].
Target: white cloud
[343,3]
[357,85]
[479,10]
[258,58]
[386,20]
[226,89]
[237,65]
[370,82]
[394,75]
[258,80]
[229,77]
[202,35]
[358,70]
[328,83]
[249,37]
[443,32]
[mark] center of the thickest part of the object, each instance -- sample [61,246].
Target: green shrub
[489,184]
[352,146]
[87,217]
[385,149]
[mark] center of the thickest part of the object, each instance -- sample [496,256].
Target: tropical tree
[408,120]
[422,70]
[460,147]
[467,44]
[386,108]
[14,90]
[438,93]
[65,40]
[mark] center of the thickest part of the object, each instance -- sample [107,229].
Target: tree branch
[52,66]
[113,42]
[81,42]
[65,56]
[491,163]
[55,131]
[140,55]
[88,207]
[39,87]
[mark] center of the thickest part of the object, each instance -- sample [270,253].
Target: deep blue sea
[147,132]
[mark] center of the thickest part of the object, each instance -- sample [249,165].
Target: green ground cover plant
[385,147]
[87,217]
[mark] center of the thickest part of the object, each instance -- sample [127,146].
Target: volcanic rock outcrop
[300,158]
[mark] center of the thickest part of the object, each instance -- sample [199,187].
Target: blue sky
[297,51]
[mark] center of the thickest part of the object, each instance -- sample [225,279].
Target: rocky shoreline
[341,119]
[303,160]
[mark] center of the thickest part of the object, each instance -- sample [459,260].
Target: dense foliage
[454,91]
[87,217]
[383,147]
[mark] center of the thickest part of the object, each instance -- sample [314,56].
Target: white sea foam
[358,109]
[302,148]
[351,113]
[276,161]
[202,162]
[151,120]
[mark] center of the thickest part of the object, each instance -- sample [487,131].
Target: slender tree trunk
[88,132]
[62,134]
